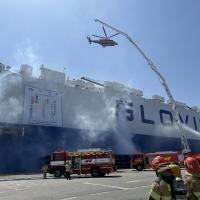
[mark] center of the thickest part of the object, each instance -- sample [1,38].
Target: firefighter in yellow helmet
[175,168]
[192,181]
[167,186]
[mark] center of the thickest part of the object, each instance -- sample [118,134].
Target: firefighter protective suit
[68,170]
[167,186]
[192,178]
[45,170]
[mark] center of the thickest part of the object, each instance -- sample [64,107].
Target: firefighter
[68,170]
[45,170]
[175,168]
[192,180]
[167,186]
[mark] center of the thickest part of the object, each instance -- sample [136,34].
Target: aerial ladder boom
[184,142]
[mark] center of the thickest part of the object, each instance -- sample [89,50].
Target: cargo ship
[39,115]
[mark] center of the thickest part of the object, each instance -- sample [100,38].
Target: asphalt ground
[125,184]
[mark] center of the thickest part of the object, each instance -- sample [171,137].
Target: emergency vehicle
[96,162]
[196,155]
[142,161]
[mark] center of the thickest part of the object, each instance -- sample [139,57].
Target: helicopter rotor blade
[104,31]
[97,36]
[114,35]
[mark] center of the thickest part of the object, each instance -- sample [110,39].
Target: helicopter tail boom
[89,40]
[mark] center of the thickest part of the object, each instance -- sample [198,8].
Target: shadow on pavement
[20,179]
[52,177]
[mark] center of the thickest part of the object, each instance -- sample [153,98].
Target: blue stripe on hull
[146,143]
[24,153]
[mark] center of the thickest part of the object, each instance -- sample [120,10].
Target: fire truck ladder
[184,142]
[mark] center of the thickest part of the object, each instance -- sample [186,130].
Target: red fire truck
[142,161]
[96,162]
[196,155]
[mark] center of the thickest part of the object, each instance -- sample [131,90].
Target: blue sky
[53,33]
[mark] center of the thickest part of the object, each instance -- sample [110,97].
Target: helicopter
[104,41]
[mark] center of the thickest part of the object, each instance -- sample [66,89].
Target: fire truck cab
[96,162]
[142,161]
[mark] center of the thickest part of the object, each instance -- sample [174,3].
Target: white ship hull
[45,114]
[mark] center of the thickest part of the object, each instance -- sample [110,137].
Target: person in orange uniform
[167,186]
[192,179]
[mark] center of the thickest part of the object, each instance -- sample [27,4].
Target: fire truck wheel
[95,172]
[102,174]
[57,173]
[139,167]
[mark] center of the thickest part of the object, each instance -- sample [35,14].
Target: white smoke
[191,131]
[95,124]
[105,123]
[123,136]
[11,94]
[10,100]
[26,54]
[167,130]
[10,110]
[173,130]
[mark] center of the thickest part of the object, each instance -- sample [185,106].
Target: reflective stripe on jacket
[163,191]
[192,184]
[68,168]
[45,168]
[160,190]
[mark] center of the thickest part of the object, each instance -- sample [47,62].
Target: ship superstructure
[50,112]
